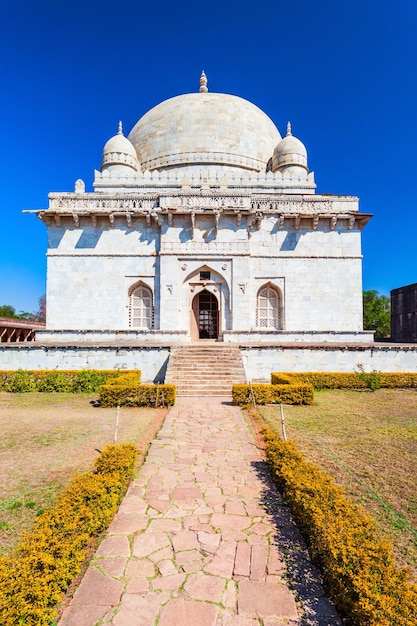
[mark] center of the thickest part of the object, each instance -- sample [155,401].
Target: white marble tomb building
[204,224]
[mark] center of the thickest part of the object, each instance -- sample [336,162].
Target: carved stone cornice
[302,211]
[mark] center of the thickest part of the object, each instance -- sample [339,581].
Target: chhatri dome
[289,153]
[119,154]
[205,129]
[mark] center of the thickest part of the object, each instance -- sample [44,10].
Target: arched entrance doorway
[206,315]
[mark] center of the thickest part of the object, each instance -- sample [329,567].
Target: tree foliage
[7,310]
[376,313]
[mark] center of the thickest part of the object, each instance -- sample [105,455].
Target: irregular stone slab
[263,600]
[168,583]
[164,525]
[150,542]
[209,539]
[98,590]
[184,540]
[276,565]
[235,522]
[259,556]
[137,568]
[113,567]
[114,546]
[127,524]
[242,559]
[136,610]
[181,612]
[203,587]
[186,493]
[223,562]
[83,615]
[167,568]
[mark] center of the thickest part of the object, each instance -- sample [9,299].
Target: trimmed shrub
[358,566]
[137,395]
[351,380]
[17,381]
[34,578]
[298,393]
[282,379]
[127,379]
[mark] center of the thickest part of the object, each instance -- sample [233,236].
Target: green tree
[6,310]
[376,313]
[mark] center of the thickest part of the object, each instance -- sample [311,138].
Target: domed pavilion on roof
[204,225]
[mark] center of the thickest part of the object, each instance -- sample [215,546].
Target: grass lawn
[372,436]
[46,439]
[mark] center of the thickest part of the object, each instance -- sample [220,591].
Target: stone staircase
[205,369]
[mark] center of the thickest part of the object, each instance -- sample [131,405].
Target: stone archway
[205,316]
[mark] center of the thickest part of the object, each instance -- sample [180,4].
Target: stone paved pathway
[199,539]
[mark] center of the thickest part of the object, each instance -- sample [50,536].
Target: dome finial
[289,128]
[120,129]
[203,83]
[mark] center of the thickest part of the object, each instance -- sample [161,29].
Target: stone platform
[201,536]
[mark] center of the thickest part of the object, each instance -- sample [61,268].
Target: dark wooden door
[208,315]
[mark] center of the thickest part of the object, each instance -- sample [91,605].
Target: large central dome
[205,129]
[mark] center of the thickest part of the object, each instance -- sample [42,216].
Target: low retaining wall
[151,360]
[259,360]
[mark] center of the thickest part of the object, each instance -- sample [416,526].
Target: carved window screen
[141,311]
[268,309]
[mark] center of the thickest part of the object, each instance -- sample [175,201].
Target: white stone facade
[204,224]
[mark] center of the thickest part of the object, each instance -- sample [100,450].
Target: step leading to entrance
[205,369]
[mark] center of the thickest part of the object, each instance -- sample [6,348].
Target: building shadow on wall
[290,242]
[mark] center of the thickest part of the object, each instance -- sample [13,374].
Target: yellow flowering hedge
[89,381]
[137,395]
[358,566]
[298,393]
[34,578]
[348,380]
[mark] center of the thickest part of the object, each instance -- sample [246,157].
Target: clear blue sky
[344,73]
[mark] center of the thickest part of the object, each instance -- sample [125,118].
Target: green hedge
[299,393]
[358,566]
[350,380]
[72,381]
[34,578]
[137,395]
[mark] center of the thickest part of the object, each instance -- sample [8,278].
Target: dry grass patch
[374,437]
[46,440]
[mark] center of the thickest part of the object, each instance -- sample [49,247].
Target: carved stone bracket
[111,219]
[316,221]
[297,222]
[333,222]
[76,219]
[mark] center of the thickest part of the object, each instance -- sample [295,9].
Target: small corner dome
[119,151]
[290,151]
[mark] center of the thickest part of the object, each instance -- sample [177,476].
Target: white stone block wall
[259,361]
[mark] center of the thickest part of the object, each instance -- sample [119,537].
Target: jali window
[269,308]
[141,307]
